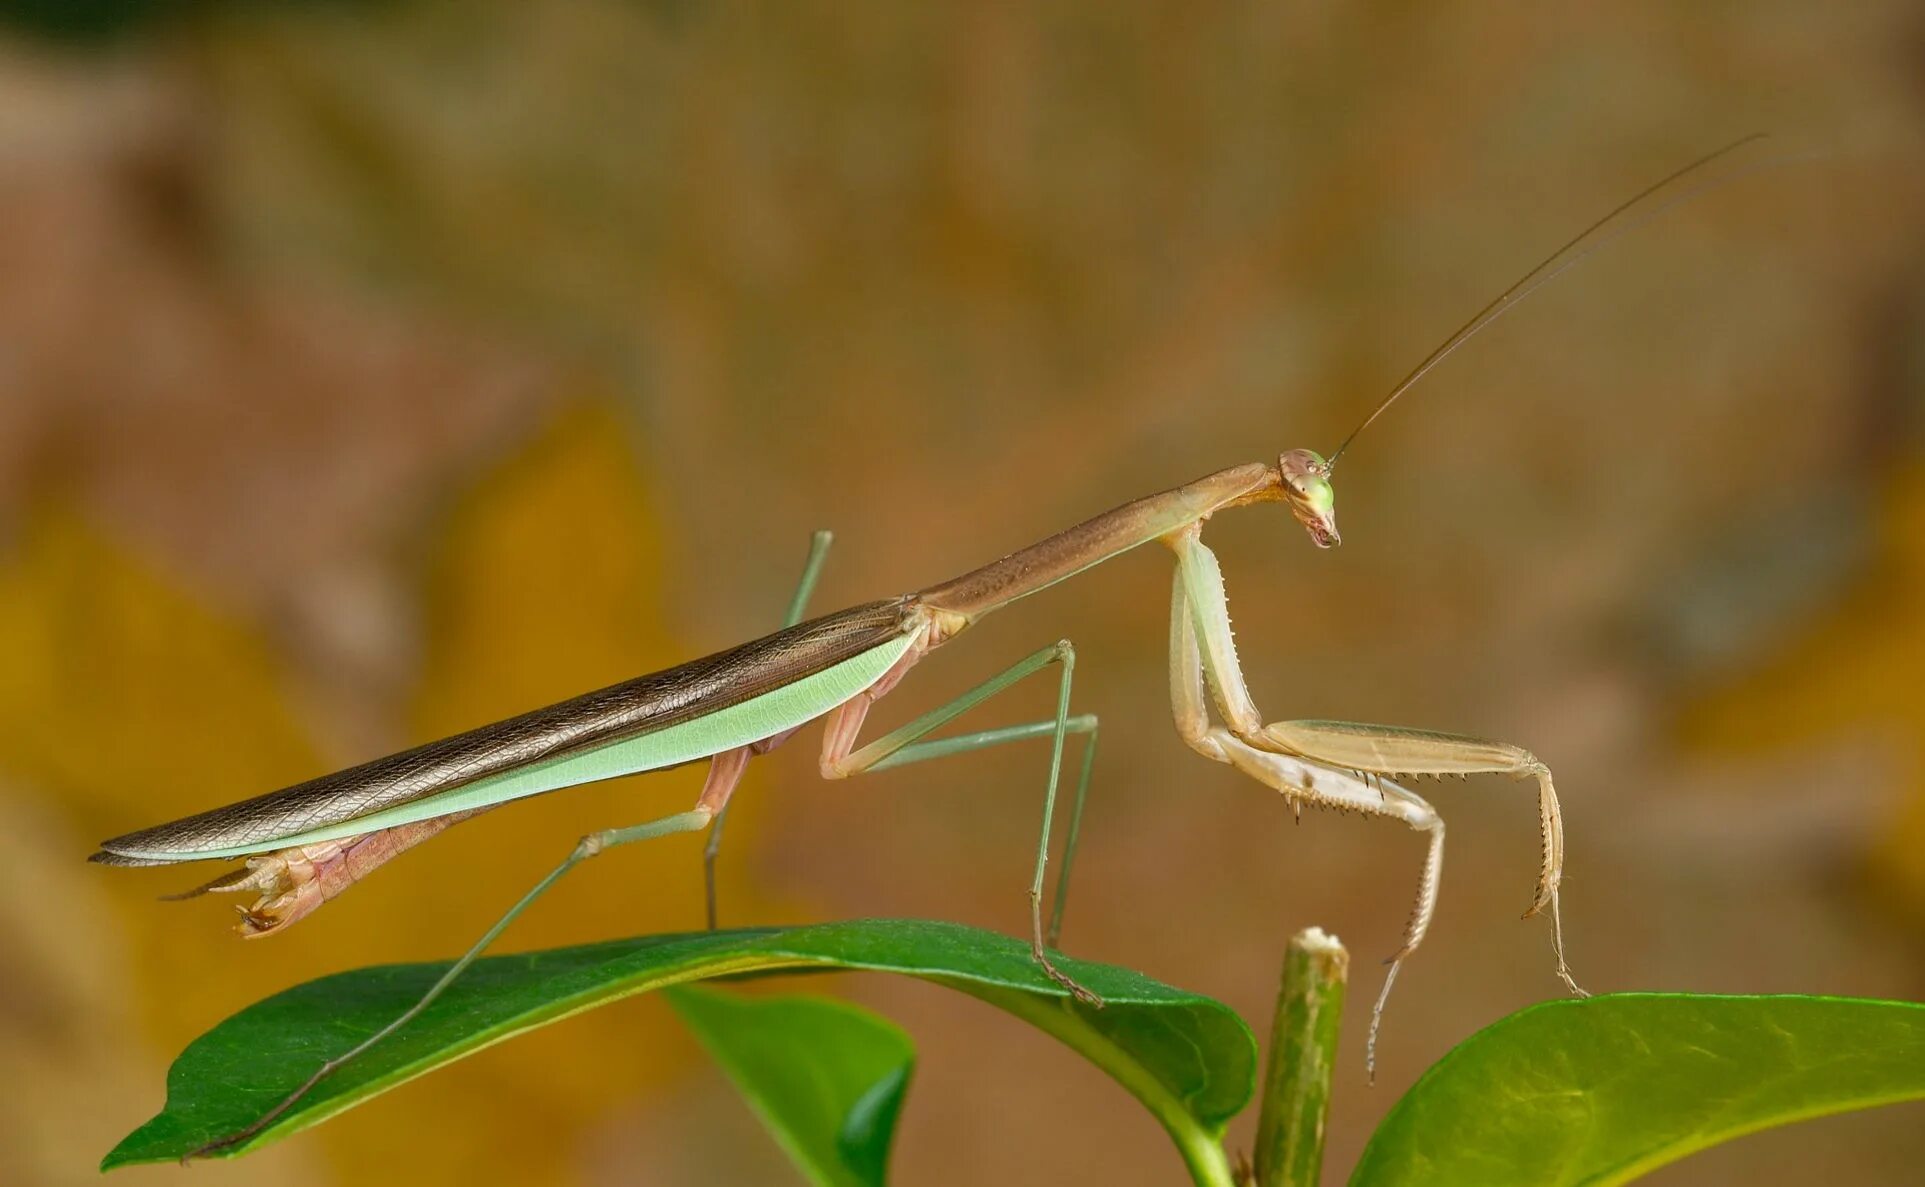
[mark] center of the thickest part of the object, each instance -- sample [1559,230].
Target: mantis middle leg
[840,759]
[839,740]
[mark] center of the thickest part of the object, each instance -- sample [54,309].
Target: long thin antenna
[1544,273]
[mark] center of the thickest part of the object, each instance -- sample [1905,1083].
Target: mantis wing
[684,713]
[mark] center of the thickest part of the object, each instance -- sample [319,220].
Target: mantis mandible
[305,844]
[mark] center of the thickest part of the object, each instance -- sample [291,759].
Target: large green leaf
[1189,1059]
[826,1077]
[1601,1091]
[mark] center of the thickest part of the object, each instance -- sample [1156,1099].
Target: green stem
[1303,1050]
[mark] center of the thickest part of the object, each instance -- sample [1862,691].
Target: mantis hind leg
[900,746]
[722,776]
[725,772]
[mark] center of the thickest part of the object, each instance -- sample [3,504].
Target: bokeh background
[372,370]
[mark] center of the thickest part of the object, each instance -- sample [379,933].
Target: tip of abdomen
[107,857]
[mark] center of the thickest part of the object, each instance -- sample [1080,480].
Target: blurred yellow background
[372,370]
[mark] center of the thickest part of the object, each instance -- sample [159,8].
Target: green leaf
[1604,1090]
[1187,1058]
[826,1077]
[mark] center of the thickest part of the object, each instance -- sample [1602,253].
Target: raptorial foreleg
[1305,783]
[1371,749]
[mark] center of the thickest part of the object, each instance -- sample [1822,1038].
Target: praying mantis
[305,844]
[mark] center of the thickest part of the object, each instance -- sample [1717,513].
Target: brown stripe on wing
[620,711]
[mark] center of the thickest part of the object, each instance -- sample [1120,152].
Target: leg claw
[1068,982]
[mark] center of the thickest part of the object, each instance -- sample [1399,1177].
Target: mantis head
[1306,487]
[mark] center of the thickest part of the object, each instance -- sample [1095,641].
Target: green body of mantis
[306,843]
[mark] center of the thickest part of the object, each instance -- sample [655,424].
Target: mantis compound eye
[1298,465]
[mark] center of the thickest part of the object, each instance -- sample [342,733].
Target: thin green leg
[1084,724]
[907,751]
[964,743]
[811,570]
[895,748]
[884,750]
[1037,945]
[587,847]
[798,605]
[1075,833]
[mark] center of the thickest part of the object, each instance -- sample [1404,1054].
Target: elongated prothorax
[1096,540]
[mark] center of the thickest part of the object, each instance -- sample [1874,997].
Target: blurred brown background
[369,371]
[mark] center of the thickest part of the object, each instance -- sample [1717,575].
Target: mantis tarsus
[306,843]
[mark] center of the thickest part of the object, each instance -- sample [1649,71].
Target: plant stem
[1303,1050]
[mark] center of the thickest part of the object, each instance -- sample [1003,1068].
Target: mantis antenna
[1556,264]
